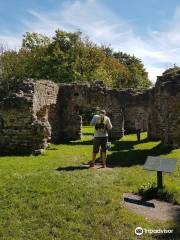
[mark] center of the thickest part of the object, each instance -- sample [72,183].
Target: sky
[148,29]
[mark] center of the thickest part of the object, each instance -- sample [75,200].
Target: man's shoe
[92,164]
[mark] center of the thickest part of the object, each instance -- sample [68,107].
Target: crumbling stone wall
[45,106]
[24,124]
[74,97]
[137,104]
[131,114]
[42,111]
[164,116]
[118,104]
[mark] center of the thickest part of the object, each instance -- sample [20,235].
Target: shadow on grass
[123,153]
[88,134]
[72,168]
[51,148]
[126,145]
[148,192]
[74,143]
[133,156]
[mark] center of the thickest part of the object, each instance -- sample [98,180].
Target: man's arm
[109,124]
[93,121]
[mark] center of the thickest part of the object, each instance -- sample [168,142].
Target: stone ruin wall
[23,117]
[164,116]
[74,97]
[138,104]
[42,111]
[45,107]
[121,106]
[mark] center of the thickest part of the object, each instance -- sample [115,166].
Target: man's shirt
[100,132]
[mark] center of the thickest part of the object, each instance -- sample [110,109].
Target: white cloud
[9,41]
[158,51]
[154,72]
[41,23]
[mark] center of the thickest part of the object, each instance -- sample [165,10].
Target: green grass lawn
[52,197]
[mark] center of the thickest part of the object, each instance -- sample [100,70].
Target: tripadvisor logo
[139,231]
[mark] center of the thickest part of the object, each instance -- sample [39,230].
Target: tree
[34,40]
[138,77]
[67,57]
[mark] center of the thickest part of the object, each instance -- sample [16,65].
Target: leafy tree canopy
[68,57]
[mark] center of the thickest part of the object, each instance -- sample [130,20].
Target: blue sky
[149,29]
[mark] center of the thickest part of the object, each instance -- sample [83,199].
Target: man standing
[139,127]
[102,124]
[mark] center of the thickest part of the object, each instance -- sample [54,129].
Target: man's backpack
[101,123]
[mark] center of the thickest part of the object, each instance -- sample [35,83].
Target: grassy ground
[52,197]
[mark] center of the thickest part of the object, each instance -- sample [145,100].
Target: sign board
[160,164]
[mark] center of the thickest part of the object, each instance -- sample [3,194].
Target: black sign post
[160,165]
[159,179]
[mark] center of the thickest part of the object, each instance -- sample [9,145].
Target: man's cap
[103,111]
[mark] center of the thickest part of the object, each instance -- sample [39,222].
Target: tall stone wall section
[24,125]
[45,106]
[164,116]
